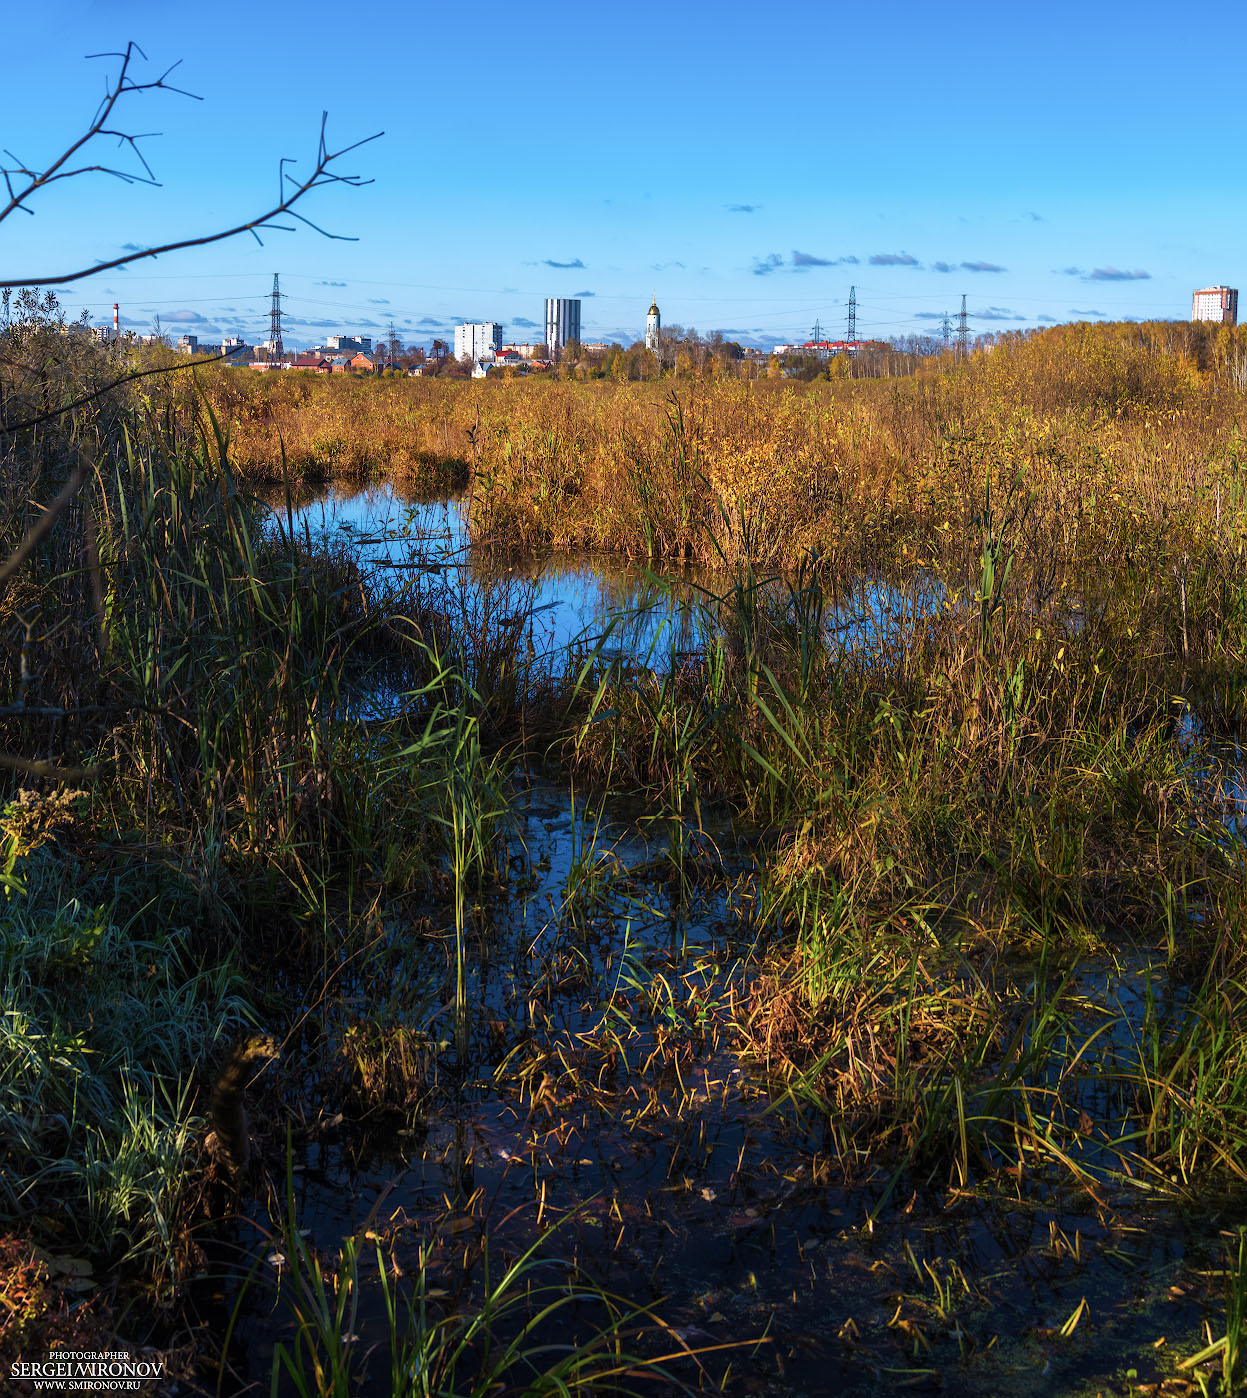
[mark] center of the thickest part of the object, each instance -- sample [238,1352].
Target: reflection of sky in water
[577,598]
[584,941]
[1217,762]
[377,513]
[1233,787]
[573,595]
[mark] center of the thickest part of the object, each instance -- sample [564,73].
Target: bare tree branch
[108,388]
[40,179]
[48,769]
[45,522]
[21,181]
[22,711]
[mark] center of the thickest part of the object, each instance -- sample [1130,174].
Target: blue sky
[746,164]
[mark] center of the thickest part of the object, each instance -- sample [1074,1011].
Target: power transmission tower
[963,332]
[852,319]
[276,349]
[948,329]
[816,336]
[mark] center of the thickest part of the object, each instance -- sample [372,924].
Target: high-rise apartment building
[562,323]
[476,340]
[1218,303]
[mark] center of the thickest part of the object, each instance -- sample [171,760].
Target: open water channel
[605,1114]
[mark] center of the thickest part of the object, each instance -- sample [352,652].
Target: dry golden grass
[884,1027]
[1126,448]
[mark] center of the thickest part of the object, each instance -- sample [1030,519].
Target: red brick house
[316,362]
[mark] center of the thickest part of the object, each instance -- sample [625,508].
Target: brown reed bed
[1125,448]
[1007,776]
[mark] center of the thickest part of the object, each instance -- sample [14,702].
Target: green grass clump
[529,1326]
[104,1028]
[969,643]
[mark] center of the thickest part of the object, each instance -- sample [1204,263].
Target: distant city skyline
[1053,167]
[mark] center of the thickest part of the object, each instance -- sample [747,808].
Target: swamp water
[601,1111]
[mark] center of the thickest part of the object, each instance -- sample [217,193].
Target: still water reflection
[583,599]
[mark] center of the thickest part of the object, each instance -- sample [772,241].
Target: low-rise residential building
[317,363]
[191,344]
[824,349]
[502,359]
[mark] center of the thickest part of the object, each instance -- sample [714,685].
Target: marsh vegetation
[822,956]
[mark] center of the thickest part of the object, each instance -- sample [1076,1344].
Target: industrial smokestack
[116,322]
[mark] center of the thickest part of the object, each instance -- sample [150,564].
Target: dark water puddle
[1219,765]
[613,1122]
[601,1108]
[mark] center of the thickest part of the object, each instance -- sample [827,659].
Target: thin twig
[321,175]
[91,535]
[108,388]
[40,179]
[47,769]
[24,711]
[45,522]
